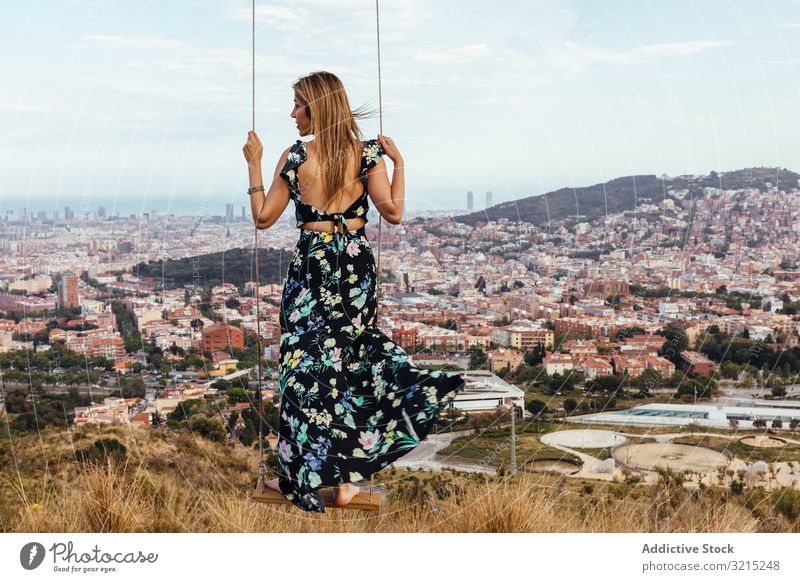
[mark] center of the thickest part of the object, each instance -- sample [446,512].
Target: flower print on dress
[351,402]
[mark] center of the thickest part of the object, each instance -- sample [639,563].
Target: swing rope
[380,125]
[262,465]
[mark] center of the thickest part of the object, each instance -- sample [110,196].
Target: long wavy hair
[337,136]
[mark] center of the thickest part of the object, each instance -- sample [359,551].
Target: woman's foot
[273,484]
[344,493]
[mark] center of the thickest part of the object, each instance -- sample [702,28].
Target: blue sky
[107,100]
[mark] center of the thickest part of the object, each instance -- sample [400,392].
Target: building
[95,342]
[486,391]
[405,337]
[112,411]
[558,364]
[442,339]
[633,366]
[36,284]
[501,357]
[523,337]
[67,291]
[220,336]
[743,412]
[594,367]
[580,348]
[125,247]
[223,364]
[660,364]
[641,344]
[604,288]
[697,363]
[427,360]
[173,398]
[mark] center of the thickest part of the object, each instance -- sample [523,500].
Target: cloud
[779,62]
[134,42]
[276,17]
[94,4]
[22,107]
[677,49]
[463,54]
[642,54]
[571,56]
[158,53]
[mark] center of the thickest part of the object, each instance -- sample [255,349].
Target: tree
[209,428]
[570,404]
[729,370]
[778,391]
[237,394]
[477,358]
[676,343]
[605,384]
[222,384]
[102,450]
[536,406]
[535,355]
[187,408]
[699,386]
[647,380]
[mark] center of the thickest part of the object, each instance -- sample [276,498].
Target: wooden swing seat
[366,500]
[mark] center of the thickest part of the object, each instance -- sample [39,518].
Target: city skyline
[119,104]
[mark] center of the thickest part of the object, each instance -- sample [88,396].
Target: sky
[121,103]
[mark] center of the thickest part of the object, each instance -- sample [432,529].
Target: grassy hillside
[143,480]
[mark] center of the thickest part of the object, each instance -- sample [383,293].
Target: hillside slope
[620,194]
[145,480]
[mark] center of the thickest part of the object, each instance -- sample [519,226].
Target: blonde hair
[333,123]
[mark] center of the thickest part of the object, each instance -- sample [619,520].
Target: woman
[350,401]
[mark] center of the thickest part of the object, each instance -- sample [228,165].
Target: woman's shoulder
[295,155]
[372,152]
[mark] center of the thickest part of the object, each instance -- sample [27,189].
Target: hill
[234,266]
[620,194]
[138,479]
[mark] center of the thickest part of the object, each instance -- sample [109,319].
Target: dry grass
[178,483]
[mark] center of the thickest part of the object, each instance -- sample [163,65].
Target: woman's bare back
[311,191]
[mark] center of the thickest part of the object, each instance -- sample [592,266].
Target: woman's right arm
[266,207]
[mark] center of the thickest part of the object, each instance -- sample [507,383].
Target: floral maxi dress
[351,402]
